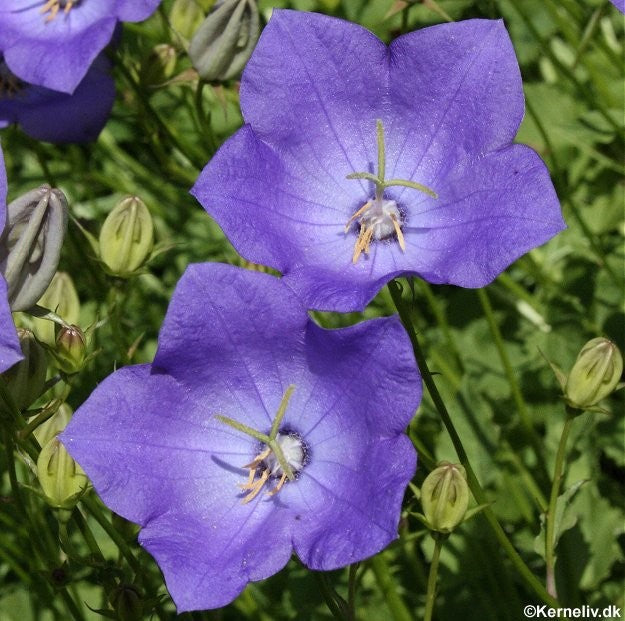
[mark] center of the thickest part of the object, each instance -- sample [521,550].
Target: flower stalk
[474,485]
[430,597]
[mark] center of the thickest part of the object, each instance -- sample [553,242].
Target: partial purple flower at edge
[619,4]
[53,43]
[58,117]
[10,351]
[239,344]
[450,102]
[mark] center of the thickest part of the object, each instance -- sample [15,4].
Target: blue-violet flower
[254,433]
[619,4]
[359,162]
[52,43]
[54,116]
[10,351]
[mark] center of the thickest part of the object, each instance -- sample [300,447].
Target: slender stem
[393,600]
[430,598]
[351,592]
[550,557]
[112,532]
[328,596]
[474,485]
[517,396]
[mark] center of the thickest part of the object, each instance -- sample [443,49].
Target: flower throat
[380,218]
[284,454]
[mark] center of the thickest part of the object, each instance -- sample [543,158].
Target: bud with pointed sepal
[224,42]
[126,237]
[26,379]
[595,374]
[445,497]
[61,298]
[159,66]
[30,245]
[71,349]
[62,480]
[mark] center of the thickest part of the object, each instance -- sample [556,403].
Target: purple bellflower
[10,351]
[52,43]
[54,116]
[619,4]
[255,433]
[359,162]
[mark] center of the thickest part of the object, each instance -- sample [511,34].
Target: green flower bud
[30,245]
[61,298]
[225,40]
[71,348]
[445,497]
[61,478]
[55,424]
[127,601]
[159,65]
[186,16]
[595,373]
[126,237]
[25,380]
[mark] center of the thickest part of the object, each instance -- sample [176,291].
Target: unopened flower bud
[61,478]
[30,245]
[159,65]
[186,16]
[61,298]
[126,237]
[127,602]
[445,497]
[55,424]
[71,348]
[225,40]
[595,373]
[25,380]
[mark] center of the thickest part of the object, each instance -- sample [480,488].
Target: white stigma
[293,451]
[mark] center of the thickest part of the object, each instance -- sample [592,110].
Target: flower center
[284,455]
[54,6]
[380,218]
[267,465]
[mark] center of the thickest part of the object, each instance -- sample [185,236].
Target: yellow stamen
[53,7]
[358,213]
[400,235]
[362,243]
[258,460]
[250,480]
[256,487]
[278,487]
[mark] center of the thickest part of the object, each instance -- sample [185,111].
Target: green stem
[550,557]
[351,592]
[517,396]
[430,598]
[110,530]
[328,596]
[393,600]
[529,578]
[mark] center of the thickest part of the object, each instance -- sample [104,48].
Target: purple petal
[58,117]
[619,4]
[56,53]
[10,351]
[449,97]
[456,92]
[232,341]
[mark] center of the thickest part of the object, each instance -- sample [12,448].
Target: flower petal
[316,80]
[58,117]
[340,528]
[207,561]
[10,351]
[455,92]
[490,211]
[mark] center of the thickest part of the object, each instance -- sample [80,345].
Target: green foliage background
[484,347]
